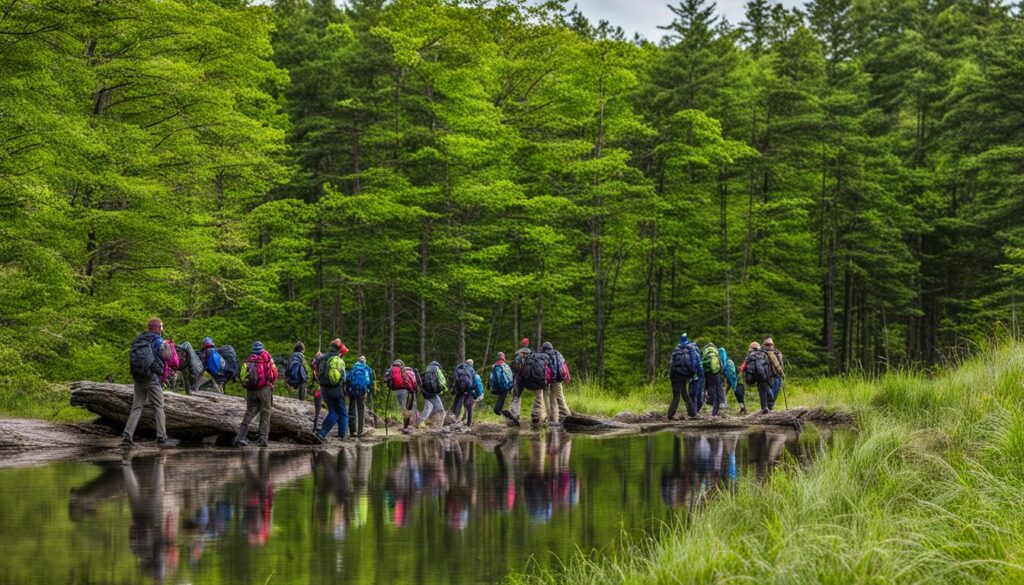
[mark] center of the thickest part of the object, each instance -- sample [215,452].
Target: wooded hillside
[433,180]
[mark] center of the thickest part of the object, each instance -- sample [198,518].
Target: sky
[644,16]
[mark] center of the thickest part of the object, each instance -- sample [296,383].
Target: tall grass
[930,490]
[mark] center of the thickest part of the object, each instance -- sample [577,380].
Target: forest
[434,179]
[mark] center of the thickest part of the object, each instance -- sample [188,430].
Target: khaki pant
[259,402]
[539,412]
[556,405]
[147,393]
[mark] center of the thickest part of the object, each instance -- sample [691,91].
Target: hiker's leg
[155,396]
[691,407]
[517,403]
[469,410]
[332,415]
[678,387]
[402,399]
[713,382]
[428,409]
[776,385]
[302,391]
[266,399]
[342,417]
[360,414]
[138,403]
[499,402]
[317,403]
[352,419]
[252,408]
[763,392]
[457,405]
[563,406]
[538,412]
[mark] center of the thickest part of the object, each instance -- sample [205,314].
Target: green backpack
[711,361]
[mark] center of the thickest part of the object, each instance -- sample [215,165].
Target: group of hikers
[702,376]
[697,376]
[155,361]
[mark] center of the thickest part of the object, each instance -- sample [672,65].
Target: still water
[432,510]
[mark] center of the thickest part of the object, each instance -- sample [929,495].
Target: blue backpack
[214,362]
[686,361]
[296,373]
[478,387]
[359,379]
[501,378]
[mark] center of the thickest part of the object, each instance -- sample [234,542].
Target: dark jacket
[155,341]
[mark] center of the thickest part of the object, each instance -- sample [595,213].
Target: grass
[929,490]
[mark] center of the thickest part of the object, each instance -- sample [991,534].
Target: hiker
[434,384]
[258,377]
[296,375]
[685,368]
[147,368]
[518,359]
[359,384]
[220,363]
[464,386]
[711,363]
[330,374]
[192,367]
[730,375]
[757,369]
[404,381]
[778,369]
[500,382]
[535,375]
[556,405]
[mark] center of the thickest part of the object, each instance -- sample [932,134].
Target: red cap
[525,341]
[341,346]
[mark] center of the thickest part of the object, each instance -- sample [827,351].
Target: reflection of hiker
[556,405]
[685,369]
[258,376]
[147,368]
[259,499]
[358,385]
[757,370]
[296,375]
[778,369]
[153,532]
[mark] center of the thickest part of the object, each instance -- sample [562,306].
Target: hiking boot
[262,443]
[165,442]
[318,439]
[240,443]
[764,411]
[696,417]
[126,441]
[743,409]
[405,430]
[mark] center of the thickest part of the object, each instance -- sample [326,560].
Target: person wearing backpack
[518,359]
[711,362]
[404,381]
[147,369]
[685,369]
[258,377]
[556,405]
[464,386]
[778,369]
[501,381]
[296,375]
[535,375]
[434,384]
[330,375]
[358,385]
[730,375]
[214,365]
[757,370]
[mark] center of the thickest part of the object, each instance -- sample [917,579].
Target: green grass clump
[928,491]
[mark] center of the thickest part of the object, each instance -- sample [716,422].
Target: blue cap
[257,346]
[683,340]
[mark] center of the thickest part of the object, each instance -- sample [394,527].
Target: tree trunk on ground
[198,415]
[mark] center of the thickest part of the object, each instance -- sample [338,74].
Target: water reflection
[385,513]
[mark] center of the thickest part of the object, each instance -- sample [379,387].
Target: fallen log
[196,416]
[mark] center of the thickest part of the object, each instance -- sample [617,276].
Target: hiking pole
[387,409]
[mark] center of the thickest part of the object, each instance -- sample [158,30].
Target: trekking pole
[387,409]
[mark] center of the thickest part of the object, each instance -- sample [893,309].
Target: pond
[430,510]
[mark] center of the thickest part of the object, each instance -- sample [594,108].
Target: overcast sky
[644,16]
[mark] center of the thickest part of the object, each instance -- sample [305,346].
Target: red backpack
[409,379]
[256,372]
[397,381]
